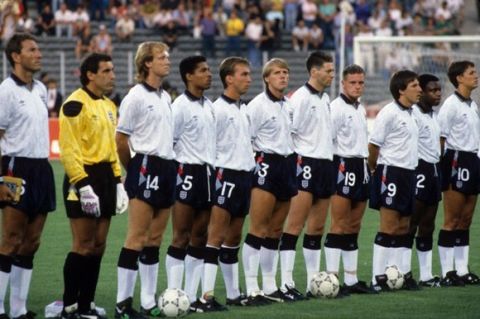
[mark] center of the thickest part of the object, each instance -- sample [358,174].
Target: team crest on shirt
[221,200]
[261,180]
[147,193]
[183,194]
[346,190]
[389,200]
[304,183]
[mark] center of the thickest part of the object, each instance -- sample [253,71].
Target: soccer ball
[324,285]
[394,277]
[174,303]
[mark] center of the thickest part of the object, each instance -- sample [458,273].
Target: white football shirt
[146,116]
[311,123]
[396,133]
[234,148]
[194,130]
[349,121]
[460,123]
[428,135]
[270,124]
[24,118]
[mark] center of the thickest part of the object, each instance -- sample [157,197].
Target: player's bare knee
[233,240]
[11,242]
[198,239]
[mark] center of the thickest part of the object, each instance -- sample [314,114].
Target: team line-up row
[194,158]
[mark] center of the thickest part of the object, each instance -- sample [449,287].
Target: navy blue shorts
[276,174]
[194,186]
[104,185]
[152,180]
[38,187]
[352,178]
[315,176]
[428,185]
[461,171]
[232,191]
[393,188]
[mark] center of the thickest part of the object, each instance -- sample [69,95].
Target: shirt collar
[312,89]
[463,99]
[403,107]
[347,100]
[424,108]
[17,80]
[231,101]
[150,88]
[273,97]
[91,94]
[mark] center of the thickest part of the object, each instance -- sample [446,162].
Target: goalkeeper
[92,188]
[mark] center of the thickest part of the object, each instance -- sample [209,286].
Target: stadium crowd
[312,23]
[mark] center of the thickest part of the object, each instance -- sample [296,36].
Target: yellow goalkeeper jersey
[87,134]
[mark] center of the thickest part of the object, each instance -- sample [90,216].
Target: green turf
[47,282]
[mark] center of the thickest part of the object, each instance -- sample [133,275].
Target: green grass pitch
[47,282]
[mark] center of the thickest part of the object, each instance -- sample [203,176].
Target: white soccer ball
[174,303]
[394,277]
[324,285]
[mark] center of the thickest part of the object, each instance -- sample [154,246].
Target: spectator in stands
[46,22]
[290,12]
[234,28]
[309,12]
[25,23]
[148,10]
[80,19]
[326,13]
[418,27]
[253,33]
[220,18]
[54,98]
[315,38]
[394,11]
[102,42]
[98,8]
[456,7]
[267,40]
[125,27]
[117,10]
[443,12]
[170,35]
[444,26]
[161,18]
[226,5]
[363,11]
[84,43]
[405,21]
[63,21]
[425,8]
[208,30]
[384,30]
[274,10]
[182,18]
[375,20]
[300,36]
